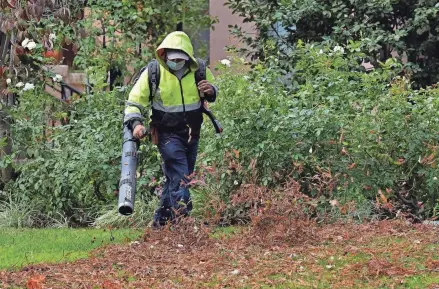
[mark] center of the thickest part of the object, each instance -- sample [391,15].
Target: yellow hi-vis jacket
[176,106]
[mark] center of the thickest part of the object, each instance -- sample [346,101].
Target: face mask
[175,65]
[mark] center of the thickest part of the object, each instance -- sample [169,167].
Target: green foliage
[15,212]
[106,34]
[342,134]
[133,29]
[142,216]
[337,131]
[73,168]
[65,163]
[70,151]
[307,114]
[406,29]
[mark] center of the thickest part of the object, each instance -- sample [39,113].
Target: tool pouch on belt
[154,135]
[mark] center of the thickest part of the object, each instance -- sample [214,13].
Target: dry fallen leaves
[110,285]
[257,254]
[281,241]
[36,282]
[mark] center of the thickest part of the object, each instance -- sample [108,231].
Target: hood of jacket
[176,40]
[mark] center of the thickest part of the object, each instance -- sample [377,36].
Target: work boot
[161,217]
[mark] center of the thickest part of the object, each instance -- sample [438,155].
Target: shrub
[73,169]
[336,130]
[381,29]
[15,212]
[342,134]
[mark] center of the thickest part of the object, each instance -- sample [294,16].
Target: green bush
[406,29]
[73,169]
[15,212]
[342,133]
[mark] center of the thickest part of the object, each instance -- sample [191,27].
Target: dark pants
[179,158]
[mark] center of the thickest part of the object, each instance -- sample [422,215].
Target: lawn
[21,247]
[376,255]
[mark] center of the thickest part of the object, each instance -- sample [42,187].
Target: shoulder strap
[137,76]
[153,78]
[200,74]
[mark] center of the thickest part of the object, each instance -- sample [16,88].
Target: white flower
[31,45]
[310,150]
[28,43]
[321,51]
[57,78]
[28,86]
[339,49]
[235,183]
[8,81]
[226,62]
[20,84]
[435,178]
[25,42]
[52,36]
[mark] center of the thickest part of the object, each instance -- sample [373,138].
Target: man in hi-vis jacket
[175,121]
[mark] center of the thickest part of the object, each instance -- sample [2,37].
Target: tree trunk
[7,100]
[5,173]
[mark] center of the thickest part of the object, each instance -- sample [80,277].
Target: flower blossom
[31,45]
[28,43]
[57,78]
[28,86]
[226,62]
[339,49]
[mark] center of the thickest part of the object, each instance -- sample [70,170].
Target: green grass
[421,281]
[225,232]
[21,247]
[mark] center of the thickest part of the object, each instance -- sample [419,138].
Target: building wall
[220,37]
